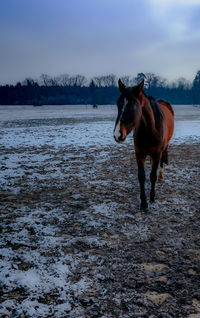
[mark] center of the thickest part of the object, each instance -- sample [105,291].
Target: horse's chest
[147,141]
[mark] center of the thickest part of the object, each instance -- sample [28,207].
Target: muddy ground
[120,262]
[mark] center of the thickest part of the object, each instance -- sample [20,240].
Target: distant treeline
[65,89]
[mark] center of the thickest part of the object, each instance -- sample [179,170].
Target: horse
[153,124]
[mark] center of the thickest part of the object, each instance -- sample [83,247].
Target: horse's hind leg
[160,176]
[141,178]
[164,159]
[153,177]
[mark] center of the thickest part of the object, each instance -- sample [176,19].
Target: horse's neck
[147,119]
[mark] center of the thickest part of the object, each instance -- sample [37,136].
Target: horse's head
[129,110]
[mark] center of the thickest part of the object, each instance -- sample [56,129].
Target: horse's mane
[157,112]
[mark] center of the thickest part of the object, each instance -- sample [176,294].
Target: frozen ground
[73,240]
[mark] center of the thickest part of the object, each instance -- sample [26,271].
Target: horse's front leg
[153,177]
[141,178]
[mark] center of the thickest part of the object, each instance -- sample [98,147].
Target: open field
[182,112]
[73,240]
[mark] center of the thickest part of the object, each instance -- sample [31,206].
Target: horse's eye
[130,107]
[133,106]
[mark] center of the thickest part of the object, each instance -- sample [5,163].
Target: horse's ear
[140,86]
[121,85]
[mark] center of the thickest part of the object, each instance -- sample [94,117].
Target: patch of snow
[33,253]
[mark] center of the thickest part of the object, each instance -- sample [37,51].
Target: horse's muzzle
[120,138]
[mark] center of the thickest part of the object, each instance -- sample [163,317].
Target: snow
[186,131]
[96,133]
[55,111]
[36,262]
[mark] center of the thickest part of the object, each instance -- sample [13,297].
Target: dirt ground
[123,262]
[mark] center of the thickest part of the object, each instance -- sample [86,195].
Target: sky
[99,37]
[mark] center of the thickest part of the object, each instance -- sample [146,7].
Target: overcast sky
[98,37]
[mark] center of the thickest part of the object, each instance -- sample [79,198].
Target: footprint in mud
[155,272]
[156,298]
[196,305]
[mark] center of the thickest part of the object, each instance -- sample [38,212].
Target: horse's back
[168,113]
[166,104]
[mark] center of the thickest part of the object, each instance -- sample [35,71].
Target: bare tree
[77,81]
[80,80]
[53,81]
[180,83]
[196,81]
[161,82]
[183,83]
[133,81]
[48,80]
[110,80]
[92,84]
[98,81]
[63,79]
[45,80]
[29,82]
[139,77]
[150,80]
[105,80]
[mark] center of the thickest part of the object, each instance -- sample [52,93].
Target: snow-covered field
[79,125]
[69,202]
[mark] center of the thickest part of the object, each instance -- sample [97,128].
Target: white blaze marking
[117,130]
[117,127]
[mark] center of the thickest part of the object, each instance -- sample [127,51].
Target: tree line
[77,89]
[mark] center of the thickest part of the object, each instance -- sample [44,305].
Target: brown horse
[153,124]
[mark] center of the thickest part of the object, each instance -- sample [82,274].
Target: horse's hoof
[152,198]
[144,207]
